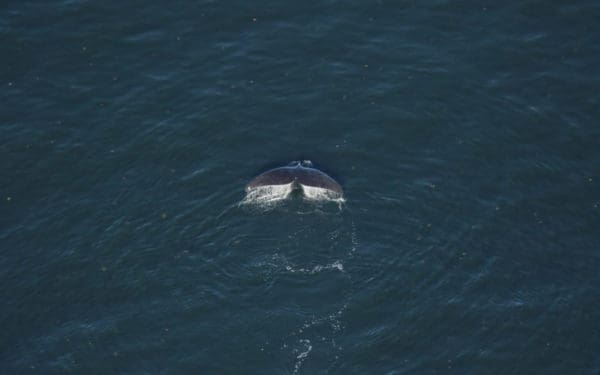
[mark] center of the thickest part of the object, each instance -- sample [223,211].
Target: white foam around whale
[268,193]
[320,194]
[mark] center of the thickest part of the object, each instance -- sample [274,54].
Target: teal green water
[465,136]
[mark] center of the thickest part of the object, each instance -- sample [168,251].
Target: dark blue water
[465,135]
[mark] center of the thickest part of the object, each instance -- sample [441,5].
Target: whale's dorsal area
[314,183]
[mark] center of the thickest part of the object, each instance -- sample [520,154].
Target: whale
[302,176]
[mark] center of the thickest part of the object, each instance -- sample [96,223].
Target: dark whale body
[296,175]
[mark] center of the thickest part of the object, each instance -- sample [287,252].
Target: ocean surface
[465,134]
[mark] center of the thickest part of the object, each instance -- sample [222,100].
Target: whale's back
[303,176]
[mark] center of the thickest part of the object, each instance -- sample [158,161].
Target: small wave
[337,265]
[301,357]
